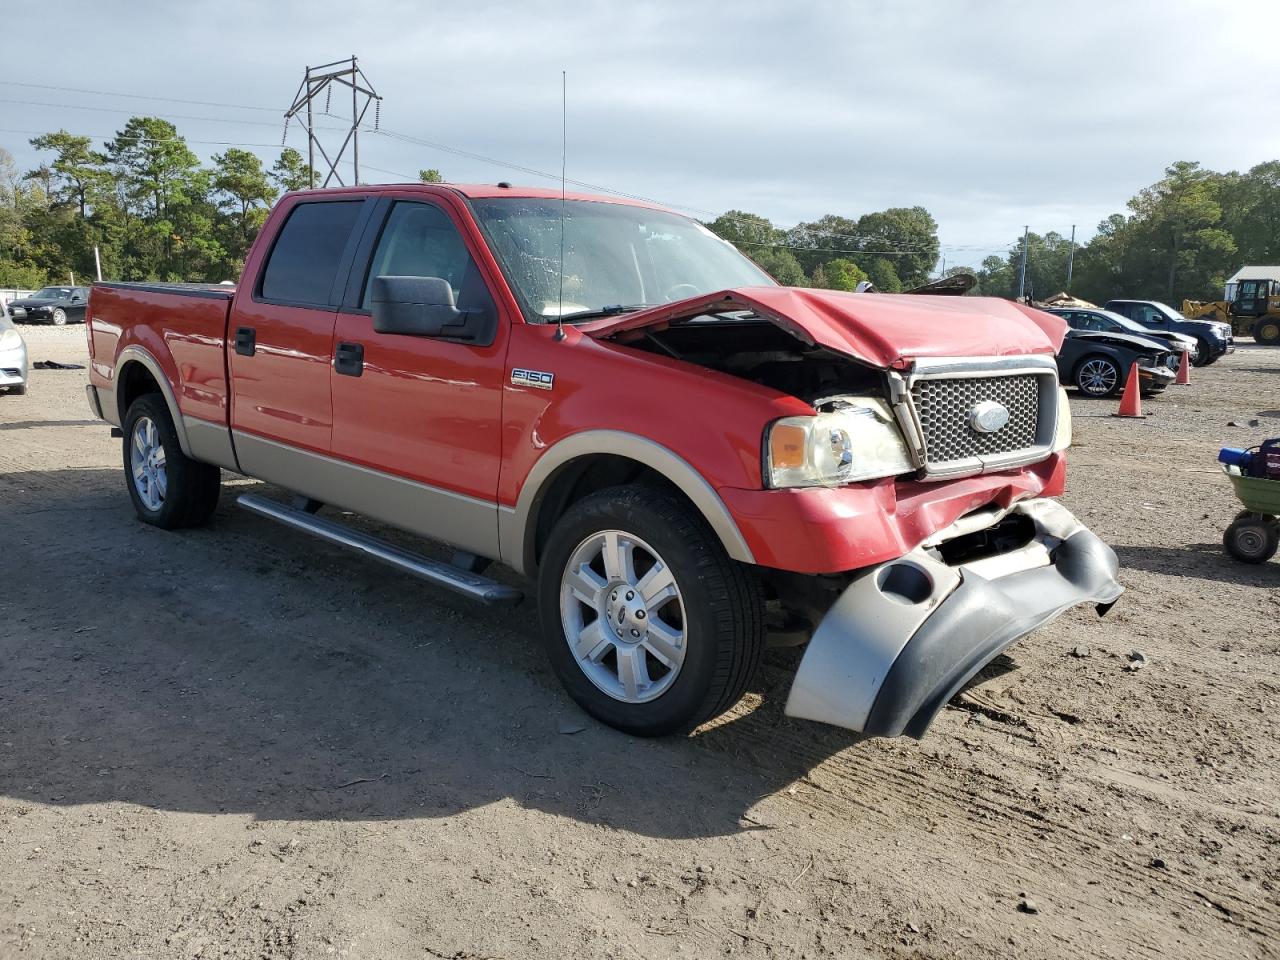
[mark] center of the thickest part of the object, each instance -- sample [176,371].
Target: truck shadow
[244,668]
[1203,561]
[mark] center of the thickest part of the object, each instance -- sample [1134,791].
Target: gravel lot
[233,742]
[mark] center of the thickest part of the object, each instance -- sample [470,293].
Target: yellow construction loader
[1254,311]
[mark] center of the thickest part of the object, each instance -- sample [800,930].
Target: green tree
[290,171]
[162,190]
[1178,220]
[826,238]
[78,174]
[883,274]
[780,264]
[431,176]
[909,231]
[243,193]
[841,274]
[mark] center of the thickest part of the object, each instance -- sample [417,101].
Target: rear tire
[168,489]
[1267,331]
[1252,538]
[693,652]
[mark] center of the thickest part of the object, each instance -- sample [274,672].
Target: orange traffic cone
[1184,369]
[1131,399]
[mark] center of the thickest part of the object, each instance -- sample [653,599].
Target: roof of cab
[479,191]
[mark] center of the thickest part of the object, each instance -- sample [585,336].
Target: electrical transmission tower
[322,79]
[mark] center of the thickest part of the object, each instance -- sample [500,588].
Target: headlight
[10,340]
[858,440]
[1062,435]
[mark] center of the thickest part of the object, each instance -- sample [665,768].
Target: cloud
[992,114]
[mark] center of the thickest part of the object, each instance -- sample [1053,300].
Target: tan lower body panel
[456,519]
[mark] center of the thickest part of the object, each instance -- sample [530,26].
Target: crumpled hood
[886,330]
[1131,340]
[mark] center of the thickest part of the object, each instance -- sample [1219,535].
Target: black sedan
[56,305]
[1098,363]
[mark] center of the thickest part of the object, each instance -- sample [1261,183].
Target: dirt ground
[233,742]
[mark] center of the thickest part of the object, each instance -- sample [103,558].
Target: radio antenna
[564,137]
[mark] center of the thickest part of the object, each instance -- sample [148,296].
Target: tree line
[156,212]
[1181,238]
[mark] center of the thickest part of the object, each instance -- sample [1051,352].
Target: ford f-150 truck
[685,459]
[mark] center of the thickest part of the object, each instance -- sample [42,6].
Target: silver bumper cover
[904,637]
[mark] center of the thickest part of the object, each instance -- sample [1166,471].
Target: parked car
[13,358]
[1213,339]
[682,455]
[1104,321]
[56,305]
[1097,363]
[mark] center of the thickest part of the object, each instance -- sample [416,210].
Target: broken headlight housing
[849,439]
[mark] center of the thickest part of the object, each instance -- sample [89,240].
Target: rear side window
[306,255]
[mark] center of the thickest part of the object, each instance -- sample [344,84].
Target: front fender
[517,525]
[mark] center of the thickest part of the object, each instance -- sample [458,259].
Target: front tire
[59,317]
[649,624]
[1252,538]
[1097,376]
[1203,355]
[168,489]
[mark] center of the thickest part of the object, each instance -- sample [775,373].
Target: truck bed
[217,291]
[181,326]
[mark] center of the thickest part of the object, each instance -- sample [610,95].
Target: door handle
[246,341]
[348,359]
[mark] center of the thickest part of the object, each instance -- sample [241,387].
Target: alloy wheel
[1098,377]
[623,616]
[147,460]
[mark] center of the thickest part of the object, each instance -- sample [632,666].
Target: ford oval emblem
[988,416]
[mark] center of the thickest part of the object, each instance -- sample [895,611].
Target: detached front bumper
[905,636]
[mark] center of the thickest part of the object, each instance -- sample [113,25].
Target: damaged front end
[902,529]
[904,636]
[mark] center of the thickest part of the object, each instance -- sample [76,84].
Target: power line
[434,145]
[135,96]
[395,135]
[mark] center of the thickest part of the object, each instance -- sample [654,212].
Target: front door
[419,418]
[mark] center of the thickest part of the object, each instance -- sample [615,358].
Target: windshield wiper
[612,310]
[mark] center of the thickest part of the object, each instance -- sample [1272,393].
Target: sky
[991,114]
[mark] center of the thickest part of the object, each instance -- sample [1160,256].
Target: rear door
[280,336]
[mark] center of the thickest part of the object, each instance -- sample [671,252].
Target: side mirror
[421,307]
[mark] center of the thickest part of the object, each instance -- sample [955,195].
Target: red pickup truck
[687,460]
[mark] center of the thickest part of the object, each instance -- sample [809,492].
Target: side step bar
[470,585]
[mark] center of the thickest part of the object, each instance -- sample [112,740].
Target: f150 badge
[532,378]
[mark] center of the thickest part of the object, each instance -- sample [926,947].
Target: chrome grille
[943,407]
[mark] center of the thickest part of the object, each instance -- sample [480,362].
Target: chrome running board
[470,585]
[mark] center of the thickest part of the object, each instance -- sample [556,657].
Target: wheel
[1098,377]
[1252,538]
[648,623]
[1203,355]
[59,317]
[18,391]
[168,488]
[1267,330]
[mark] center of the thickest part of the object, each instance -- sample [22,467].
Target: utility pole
[1071,257]
[319,80]
[1022,268]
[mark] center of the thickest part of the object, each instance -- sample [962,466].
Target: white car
[13,358]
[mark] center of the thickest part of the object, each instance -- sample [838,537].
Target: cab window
[419,240]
